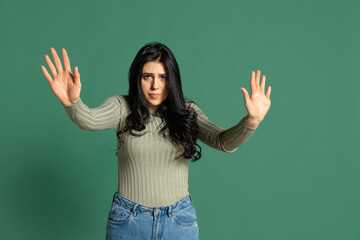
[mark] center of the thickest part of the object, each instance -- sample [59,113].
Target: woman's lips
[154,95]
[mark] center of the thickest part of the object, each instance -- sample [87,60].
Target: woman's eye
[147,77]
[164,77]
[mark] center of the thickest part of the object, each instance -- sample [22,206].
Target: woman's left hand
[258,104]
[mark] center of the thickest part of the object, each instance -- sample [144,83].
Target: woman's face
[153,83]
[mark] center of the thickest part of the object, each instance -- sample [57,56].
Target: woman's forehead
[154,66]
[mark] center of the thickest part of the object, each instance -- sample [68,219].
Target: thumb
[246,95]
[76,75]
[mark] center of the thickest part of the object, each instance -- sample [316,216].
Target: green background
[297,178]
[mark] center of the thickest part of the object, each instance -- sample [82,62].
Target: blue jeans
[131,221]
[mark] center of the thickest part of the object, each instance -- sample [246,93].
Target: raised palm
[66,86]
[258,104]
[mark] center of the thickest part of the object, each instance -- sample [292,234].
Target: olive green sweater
[148,172]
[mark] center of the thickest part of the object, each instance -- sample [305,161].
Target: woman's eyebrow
[153,74]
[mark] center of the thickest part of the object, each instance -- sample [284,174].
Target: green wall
[297,178]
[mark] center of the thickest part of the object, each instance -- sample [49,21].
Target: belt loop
[169,211]
[133,210]
[154,210]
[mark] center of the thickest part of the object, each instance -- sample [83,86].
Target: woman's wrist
[73,101]
[69,102]
[251,122]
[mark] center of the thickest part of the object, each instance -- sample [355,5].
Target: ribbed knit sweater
[148,172]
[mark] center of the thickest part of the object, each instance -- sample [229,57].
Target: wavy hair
[180,122]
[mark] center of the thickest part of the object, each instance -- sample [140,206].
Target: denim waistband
[132,206]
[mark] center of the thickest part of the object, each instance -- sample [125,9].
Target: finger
[46,74]
[262,87]
[76,76]
[252,81]
[268,92]
[56,60]
[51,66]
[246,95]
[257,79]
[66,60]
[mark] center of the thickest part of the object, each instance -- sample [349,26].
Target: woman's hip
[129,220]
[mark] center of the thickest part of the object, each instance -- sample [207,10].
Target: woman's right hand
[65,85]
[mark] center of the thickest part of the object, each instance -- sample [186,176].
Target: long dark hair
[180,122]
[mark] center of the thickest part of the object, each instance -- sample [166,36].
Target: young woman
[157,131]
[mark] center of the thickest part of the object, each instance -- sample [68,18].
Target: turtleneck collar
[152,112]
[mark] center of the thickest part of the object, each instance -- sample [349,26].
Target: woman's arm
[230,139]
[216,137]
[106,116]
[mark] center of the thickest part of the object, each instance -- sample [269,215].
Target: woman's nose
[155,84]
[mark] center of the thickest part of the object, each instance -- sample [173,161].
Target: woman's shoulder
[122,100]
[190,104]
[193,107]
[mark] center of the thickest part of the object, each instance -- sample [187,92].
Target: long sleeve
[106,116]
[216,137]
